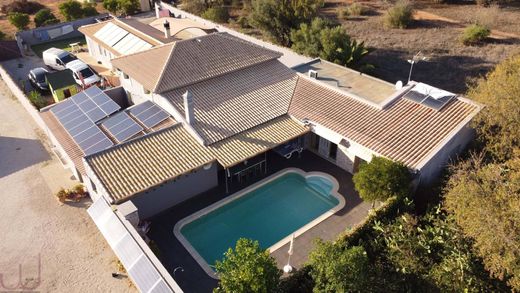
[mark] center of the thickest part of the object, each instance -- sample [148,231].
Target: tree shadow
[447,72]
[19,153]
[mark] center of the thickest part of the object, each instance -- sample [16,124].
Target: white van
[82,73]
[57,58]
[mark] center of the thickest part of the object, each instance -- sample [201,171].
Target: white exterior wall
[69,164]
[433,168]
[99,53]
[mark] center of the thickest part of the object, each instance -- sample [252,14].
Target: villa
[200,110]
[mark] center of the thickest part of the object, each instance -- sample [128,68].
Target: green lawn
[62,44]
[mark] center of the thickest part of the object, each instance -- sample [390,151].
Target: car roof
[76,65]
[55,51]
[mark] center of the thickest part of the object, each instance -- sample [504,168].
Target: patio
[192,277]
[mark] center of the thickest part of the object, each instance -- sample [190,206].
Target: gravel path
[74,256]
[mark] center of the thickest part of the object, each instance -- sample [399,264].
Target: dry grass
[10,30]
[451,64]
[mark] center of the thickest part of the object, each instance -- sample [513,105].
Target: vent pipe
[166,29]
[157,11]
[188,107]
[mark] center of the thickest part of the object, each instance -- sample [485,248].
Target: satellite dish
[398,85]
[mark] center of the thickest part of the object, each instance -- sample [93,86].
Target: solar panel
[79,114]
[415,96]
[110,34]
[131,44]
[429,96]
[149,114]
[122,126]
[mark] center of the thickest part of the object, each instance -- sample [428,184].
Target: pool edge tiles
[201,213]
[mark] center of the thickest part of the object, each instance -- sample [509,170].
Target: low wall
[22,98]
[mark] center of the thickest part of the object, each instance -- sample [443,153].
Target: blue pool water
[267,214]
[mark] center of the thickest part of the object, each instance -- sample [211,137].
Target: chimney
[166,29]
[188,107]
[157,11]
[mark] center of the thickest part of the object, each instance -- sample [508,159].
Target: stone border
[205,266]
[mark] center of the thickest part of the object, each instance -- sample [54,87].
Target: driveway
[45,246]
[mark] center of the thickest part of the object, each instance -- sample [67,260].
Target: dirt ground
[45,246]
[436,33]
[10,30]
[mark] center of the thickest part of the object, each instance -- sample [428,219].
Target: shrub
[61,195]
[482,2]
[22,6]
[2,35]
[44,16]
[111,5]
[128,7]
[399,15]
[382,179]
[474,34]
[357,9]
[248,268]
[89,9]
[217,14]
[36,99]
[71,10]
[19,20]
[194,6]
[243,22]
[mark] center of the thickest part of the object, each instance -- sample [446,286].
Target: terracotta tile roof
[257,140]
[139,164]
[232,103]
[404,131]
[67,143]
[189,61]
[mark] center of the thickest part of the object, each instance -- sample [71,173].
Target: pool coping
[202,262]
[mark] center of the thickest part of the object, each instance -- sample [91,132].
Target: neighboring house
[123,36]
[61,84]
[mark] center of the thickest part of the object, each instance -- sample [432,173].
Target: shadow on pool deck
[193,279]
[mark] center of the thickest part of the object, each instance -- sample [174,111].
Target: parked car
[37,78]
[82,73]
[57,59]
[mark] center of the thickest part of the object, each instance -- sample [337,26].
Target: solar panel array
[429,96]
[121,126]
[79,114]
[149,114]
[121,40]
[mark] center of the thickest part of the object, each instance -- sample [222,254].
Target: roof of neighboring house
[189,61]
[67,143]
[232,103]
[139,164]
[404,131]
[60,79]
[257,140]
[9,50]
[182,28]
[146,30]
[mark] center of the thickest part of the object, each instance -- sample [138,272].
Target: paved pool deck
[192,278]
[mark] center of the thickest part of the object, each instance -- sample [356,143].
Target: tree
[335,269]
[433,248]
[498,124]
[89,9]
[485,201]
[320,39]
[381,179]
[71,10]
[218,14]
[128,7]
[278,17]
[111,5]
[248,268]
[44,17]
[19,20]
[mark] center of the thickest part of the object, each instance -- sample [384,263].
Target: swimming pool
[289,202]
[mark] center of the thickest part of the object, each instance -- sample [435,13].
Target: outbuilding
[61,84]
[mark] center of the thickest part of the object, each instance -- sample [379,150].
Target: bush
[89,9]
[248,268]
[19,20]
[194,6]
[71,10]
[243,22]
[475,34]
[111,5]
[128,7]
[2,35]
[217,14]
[37,100]
[44,16]
[22,6]
[400,15]
[356,9]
